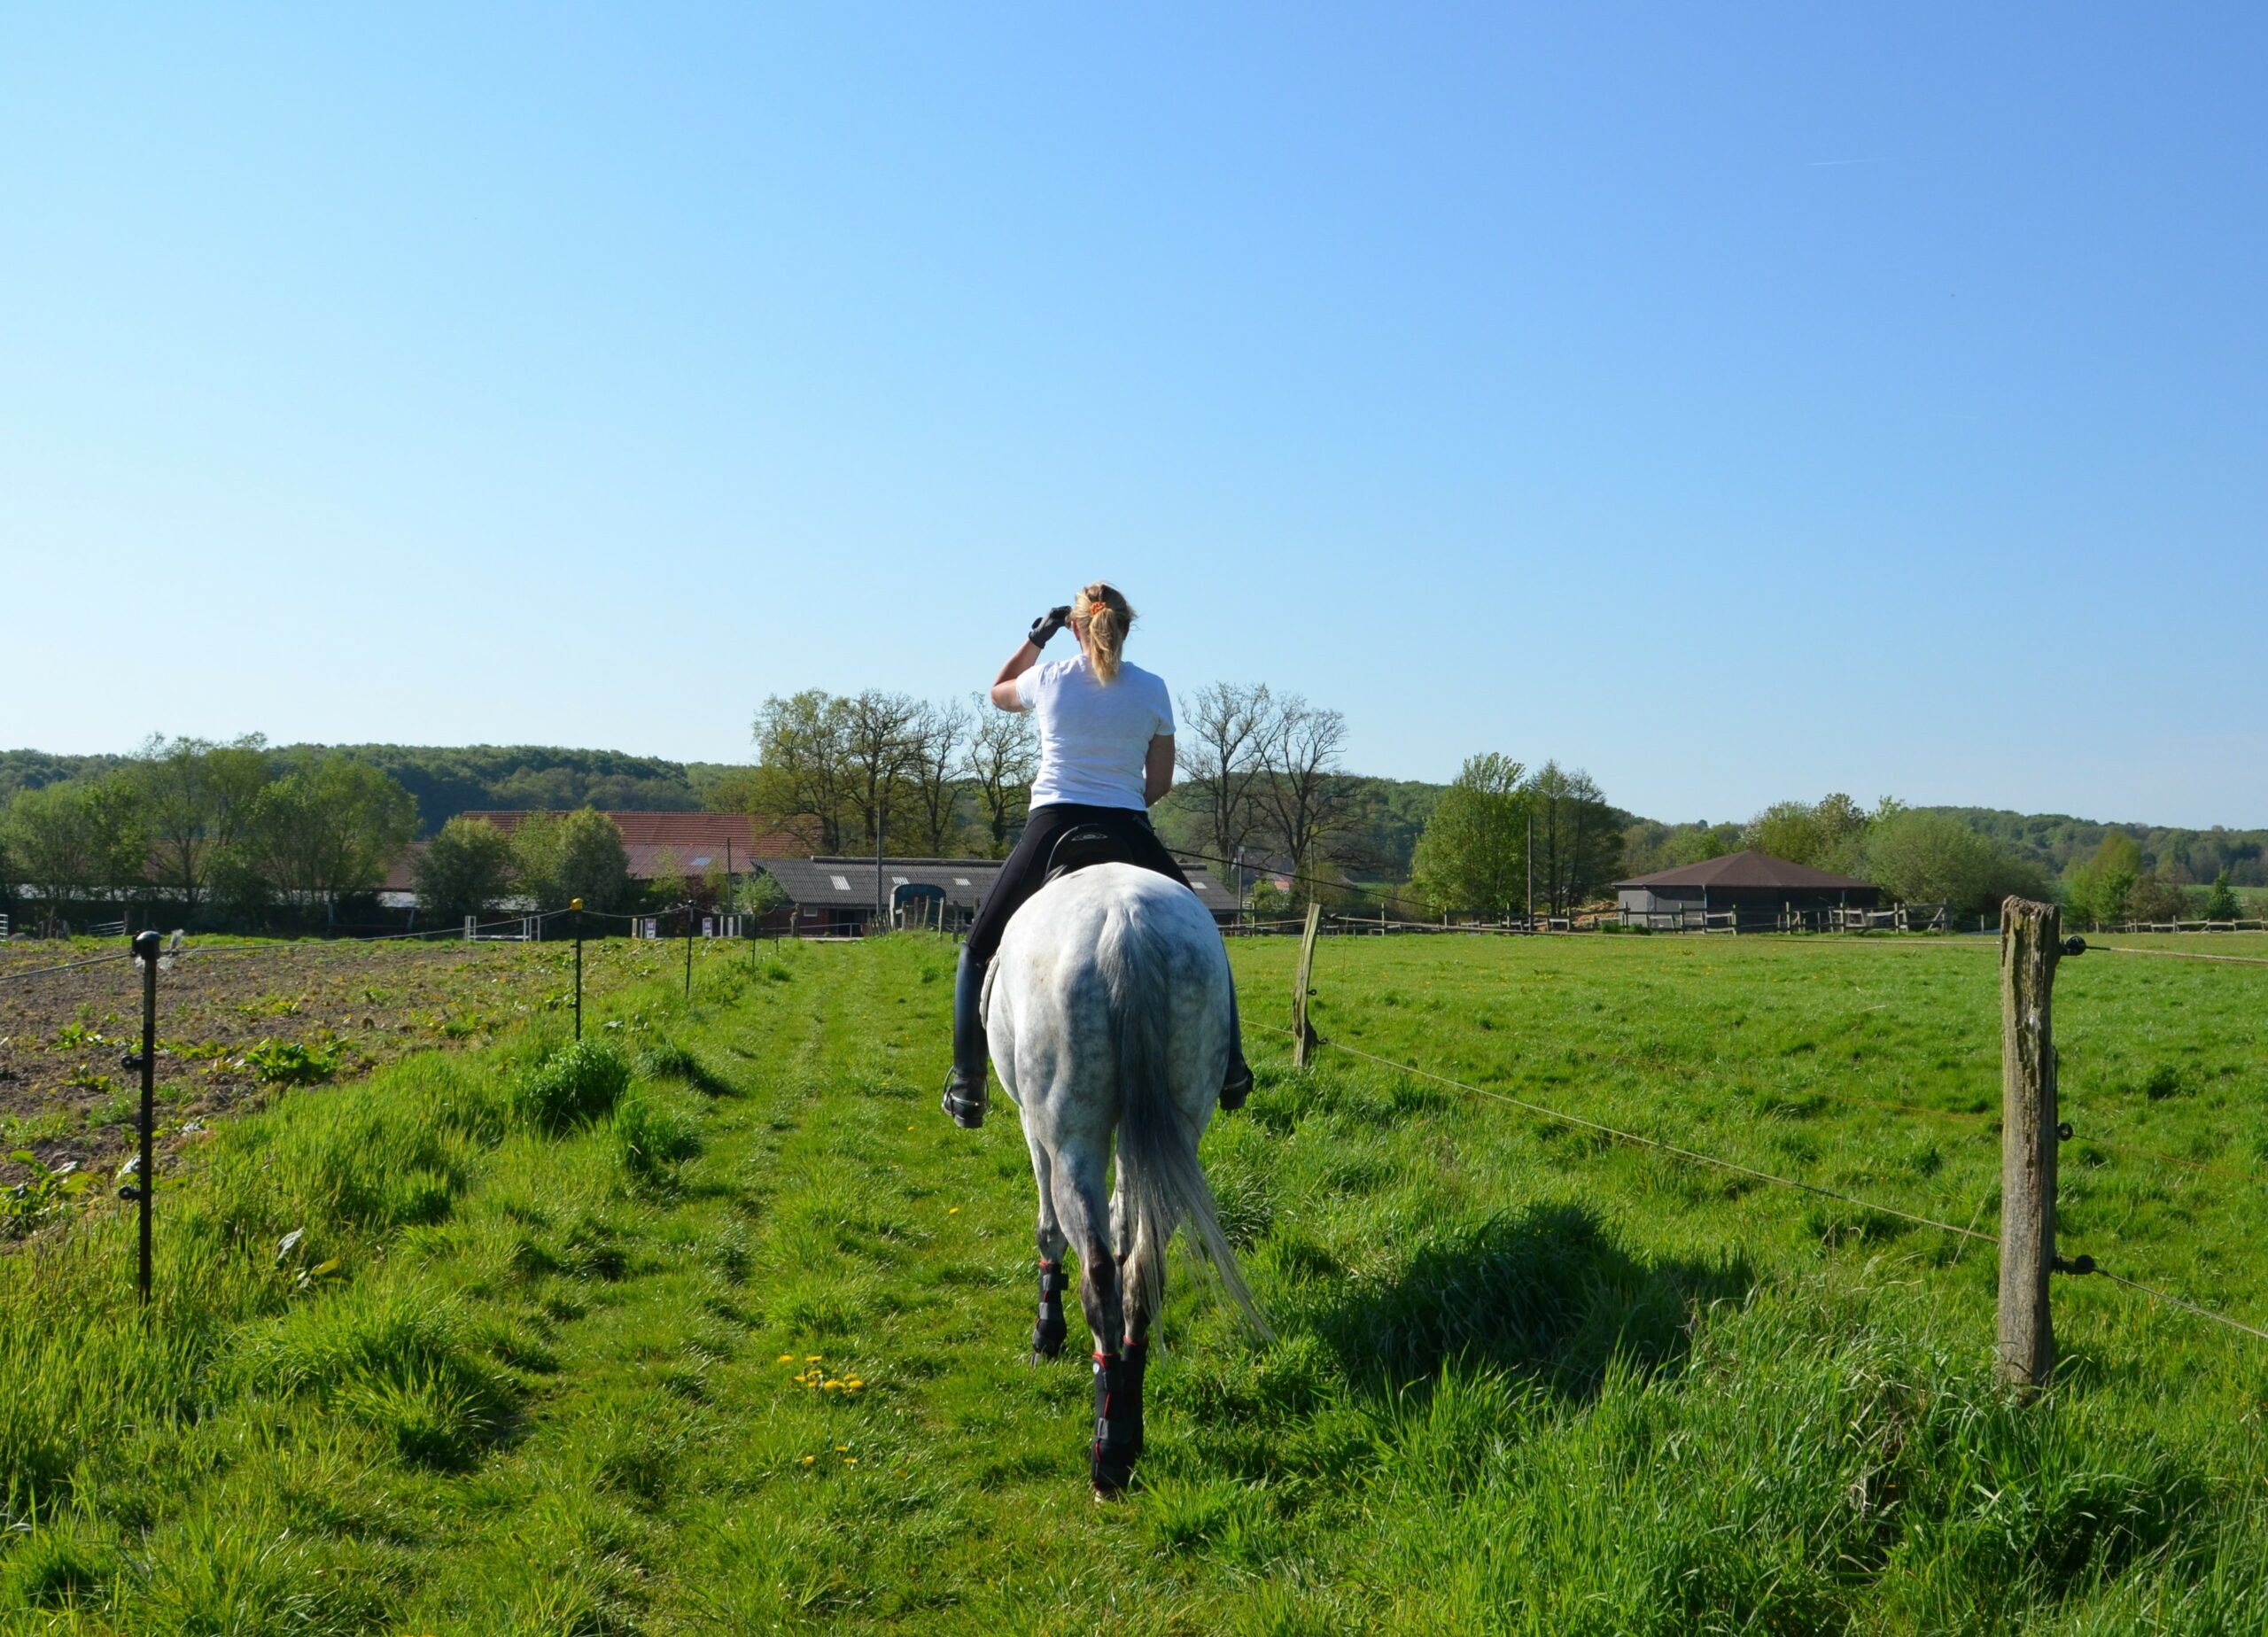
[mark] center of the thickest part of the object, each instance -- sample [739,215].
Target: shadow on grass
[1544,1293]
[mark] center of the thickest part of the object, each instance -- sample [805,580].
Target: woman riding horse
[1105,757]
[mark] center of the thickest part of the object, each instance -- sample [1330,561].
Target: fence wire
[1695,1157]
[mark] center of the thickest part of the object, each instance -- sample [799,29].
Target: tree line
[221,830]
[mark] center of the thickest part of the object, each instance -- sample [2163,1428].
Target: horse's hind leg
[1048,1330]
[1117,1441]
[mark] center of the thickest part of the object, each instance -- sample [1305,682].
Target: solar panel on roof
[898,880]
[703,861]
[960,880]
[841,883]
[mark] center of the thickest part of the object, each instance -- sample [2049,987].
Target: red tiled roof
[697,841]
[698,831]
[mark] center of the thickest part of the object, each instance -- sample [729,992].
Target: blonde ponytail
[1102,611]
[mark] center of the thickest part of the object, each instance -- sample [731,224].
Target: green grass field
[718,1325]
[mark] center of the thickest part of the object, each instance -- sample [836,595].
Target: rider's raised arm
[1157,770]
[1005,692]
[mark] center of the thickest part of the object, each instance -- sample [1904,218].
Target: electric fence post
[576,904]
[146,947]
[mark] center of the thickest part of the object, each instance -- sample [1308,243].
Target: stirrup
[964,1105]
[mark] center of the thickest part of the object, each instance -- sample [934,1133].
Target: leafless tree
[1305,790]
[1221,729]
[1001,757]
[879,734]
[934,758]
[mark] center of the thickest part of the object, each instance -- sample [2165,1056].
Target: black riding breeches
[1026,870]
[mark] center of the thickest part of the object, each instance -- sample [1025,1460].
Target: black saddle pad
[1088,843]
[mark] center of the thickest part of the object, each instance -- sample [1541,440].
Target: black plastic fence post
[145,949]
[576,905]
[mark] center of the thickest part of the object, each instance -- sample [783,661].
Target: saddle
[1086,844]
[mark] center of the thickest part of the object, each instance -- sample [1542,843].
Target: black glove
[1048,624]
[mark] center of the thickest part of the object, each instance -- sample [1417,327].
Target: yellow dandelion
[954,1212]
[854,1384]
[833,1386]
[843,1449]
[787,1358]
[850,1461]
[810,1460]
[811,1358]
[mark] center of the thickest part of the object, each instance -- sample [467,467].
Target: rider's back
[1093,736]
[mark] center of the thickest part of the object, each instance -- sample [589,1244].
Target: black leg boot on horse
[1118,1422]
[965,1085]
[1236,1085]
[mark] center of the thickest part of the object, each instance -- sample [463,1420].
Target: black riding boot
[1237,1084]
[965,1086]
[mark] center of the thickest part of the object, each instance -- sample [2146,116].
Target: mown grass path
[733,1341]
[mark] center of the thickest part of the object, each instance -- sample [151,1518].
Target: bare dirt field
[239,1024]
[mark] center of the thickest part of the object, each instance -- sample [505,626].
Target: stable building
[1748,891]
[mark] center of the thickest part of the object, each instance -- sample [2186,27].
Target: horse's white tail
[1162,1179]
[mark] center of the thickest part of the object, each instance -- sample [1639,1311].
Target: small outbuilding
[1748,891]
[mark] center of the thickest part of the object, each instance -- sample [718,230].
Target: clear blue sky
[1741,402]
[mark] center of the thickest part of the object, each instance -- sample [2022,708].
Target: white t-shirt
[1093,736]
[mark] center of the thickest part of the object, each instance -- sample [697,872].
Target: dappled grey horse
[1108,1011]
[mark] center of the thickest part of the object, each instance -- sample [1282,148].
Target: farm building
[1757,890]
[838,896]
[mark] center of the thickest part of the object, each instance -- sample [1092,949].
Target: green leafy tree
[1825,835]
[80,840]
[2156,897]
[1699,843]
[2220,903]
[1473,854]
[761,894]
[465,870]
[328,829]
[2097,889]
[198,797]
[803,771]
[666,888]
[1932,858]
[559,858]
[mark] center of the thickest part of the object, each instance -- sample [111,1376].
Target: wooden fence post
[2029,945]
[1303,1035]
